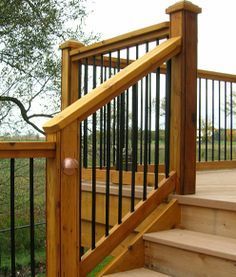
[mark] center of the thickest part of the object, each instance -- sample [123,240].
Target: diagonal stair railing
[92,149]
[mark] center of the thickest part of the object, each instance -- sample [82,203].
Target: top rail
[27,149]
[101,95]
[151,33]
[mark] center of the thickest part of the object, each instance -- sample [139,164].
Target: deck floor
[217,185]
[215,188]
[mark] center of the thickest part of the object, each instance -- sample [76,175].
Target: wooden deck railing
[22,215]
[69,130]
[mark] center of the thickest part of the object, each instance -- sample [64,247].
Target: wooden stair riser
[177,262]
[209,220]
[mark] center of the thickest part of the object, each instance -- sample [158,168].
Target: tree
[30,32]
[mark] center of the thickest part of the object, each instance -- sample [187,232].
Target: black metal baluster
[105,123]
[141,124]
[85,134]
[101,119]
[120,154]
[167,119]
[118,99]
[108,159]
[150,119]
[231,121]
[213,122]
[157,122]
[225,119]
[219,135]
[127,122]
[134,142]
[80,165]
[199,120]
[206,123]
[12,214]
[145,166]
[31,196]
[94,163]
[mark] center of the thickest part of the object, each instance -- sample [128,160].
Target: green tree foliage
[30,32]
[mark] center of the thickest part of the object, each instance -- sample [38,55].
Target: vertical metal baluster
[105,123]
[145,166]
[141,124]
[108,160]
[206,123]
[81,252]
[31,196]
[12,214]
[157,121]
[127,121]
[134,142]
[231,121]
[118,99]
[85,141]
[199,121]
[120,142]
[213,122]
[101,118]
[219,135]
[225,119]
[94,153]
[167,120]
[150,119]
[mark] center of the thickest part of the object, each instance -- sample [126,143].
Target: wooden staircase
[203,244]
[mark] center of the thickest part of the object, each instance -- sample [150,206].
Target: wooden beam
[216,165]
[143,35]
[68,71]
[27,149]
[53,219]
[114,176]
[119,232]
[183,17]
[113,87]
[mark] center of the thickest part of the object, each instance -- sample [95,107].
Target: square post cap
[71,44]
[184,6]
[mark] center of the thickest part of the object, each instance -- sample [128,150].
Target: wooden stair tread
[139,272]
[212,245]
[206,202]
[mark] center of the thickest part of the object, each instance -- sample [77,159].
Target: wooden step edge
[208,244]
[202,202]
[144,272]
[133,254]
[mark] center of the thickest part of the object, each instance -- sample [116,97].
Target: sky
[216,26]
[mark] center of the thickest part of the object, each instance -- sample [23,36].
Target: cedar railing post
[69,72]
[183,22]
[63,192]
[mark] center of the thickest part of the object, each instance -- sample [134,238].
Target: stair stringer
[133,255]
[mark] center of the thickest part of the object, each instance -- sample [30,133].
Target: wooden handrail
[126,40]
[27,149]
[113,87]
[218,76]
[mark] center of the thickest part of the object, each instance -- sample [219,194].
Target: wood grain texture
[53,218]
[165,218]
[119,232]
[183,98]
[113,87]
[114,176]
[27,149]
